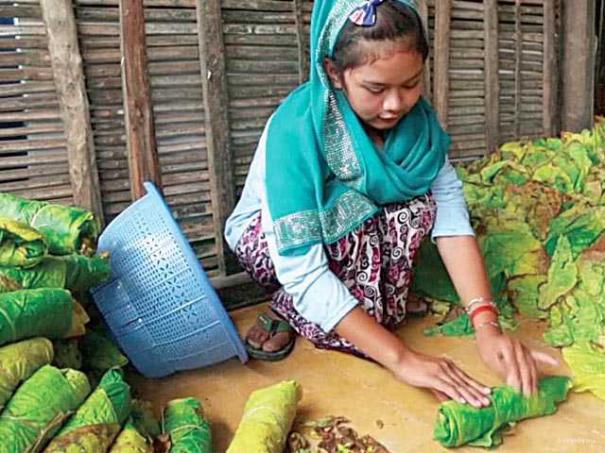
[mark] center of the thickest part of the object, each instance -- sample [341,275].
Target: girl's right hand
[442,377]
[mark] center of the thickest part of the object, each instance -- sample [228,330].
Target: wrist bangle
[478,300]
[483,308]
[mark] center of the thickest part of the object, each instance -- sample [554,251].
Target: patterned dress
[374,262]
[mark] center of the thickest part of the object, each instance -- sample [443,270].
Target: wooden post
[302,41]
[214,84]
[68,74]
[143,159]
[423,8]
[443,12]
[518,59]
[492,83]
[578,64]
[550,71]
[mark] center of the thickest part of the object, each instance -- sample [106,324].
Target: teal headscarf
[324,174]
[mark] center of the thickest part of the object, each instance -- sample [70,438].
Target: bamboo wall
[33,153]
[179,91]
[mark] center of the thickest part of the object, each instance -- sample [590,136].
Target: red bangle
[481,309]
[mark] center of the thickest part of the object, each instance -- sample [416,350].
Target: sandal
[272,327]
[417,307]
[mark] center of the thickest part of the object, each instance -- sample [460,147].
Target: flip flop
[417,312]
[272,327]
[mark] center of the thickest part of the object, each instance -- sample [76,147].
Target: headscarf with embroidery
[325,176]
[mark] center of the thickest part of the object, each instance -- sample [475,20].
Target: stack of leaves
[538,208]
[47,258]
[45,255]
[44,245]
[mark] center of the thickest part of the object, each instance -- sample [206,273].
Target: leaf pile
[538,208]
[332,435]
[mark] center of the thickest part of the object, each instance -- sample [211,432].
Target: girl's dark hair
[395,21]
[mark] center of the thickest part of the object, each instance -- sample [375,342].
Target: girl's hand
[442,377]
[511,359]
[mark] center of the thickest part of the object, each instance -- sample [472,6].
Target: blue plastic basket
[159,303]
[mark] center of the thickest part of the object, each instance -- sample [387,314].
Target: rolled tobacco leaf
[66,229]
[460,424]
[73,272]
[67,353]
[39,407]
[131,440]
[100,353]
[18,361]
[50,313]
[20,245]
[267,419]
[97,422]
[139,431]
[186,426]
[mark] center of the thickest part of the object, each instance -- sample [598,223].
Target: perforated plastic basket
[159,303]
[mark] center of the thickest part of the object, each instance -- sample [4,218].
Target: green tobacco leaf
[587,363]
[562,275]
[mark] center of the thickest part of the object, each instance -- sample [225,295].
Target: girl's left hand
[512,360]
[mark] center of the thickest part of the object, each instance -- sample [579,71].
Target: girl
[350,175]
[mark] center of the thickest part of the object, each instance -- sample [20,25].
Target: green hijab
[324,175]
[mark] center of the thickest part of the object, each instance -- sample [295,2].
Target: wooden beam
[143,161]
[302,41]
[578,64]
[492,82]
[69,82]
[441,93]
[423,8]
[214,85]
[550,71]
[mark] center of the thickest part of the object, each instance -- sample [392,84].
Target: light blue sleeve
[250,201]
[318,295]
[452,213]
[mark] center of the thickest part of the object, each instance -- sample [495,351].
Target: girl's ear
[333,74]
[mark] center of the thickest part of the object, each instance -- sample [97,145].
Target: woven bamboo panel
[99,37]
[262,65]
[466,73]
[33,155]
[520,74]
[522,69]
[176,91]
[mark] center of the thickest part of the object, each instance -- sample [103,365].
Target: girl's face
[384,90]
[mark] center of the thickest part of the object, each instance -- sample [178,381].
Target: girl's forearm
[465,266]
[372,339]
[464,263]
